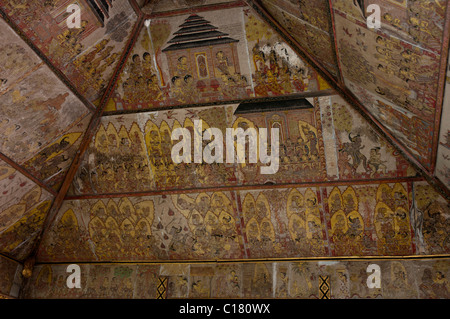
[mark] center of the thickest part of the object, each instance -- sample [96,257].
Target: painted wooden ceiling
[86,116]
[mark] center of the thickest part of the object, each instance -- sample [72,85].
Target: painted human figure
[375,162]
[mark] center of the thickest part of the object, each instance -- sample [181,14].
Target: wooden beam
[93,125]
[347,95]
[251,260]
[274,99]
[251,187]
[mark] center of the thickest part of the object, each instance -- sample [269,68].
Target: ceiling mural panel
[171,5]
[276,68]
[37,111]
[309,23]
[172,227]
[41,120]
[87,55]
[370,219]
[414,279]
[132,152]
[353,149]
[283,222]
[393,70]
[17,59]
[18,241]
[23,205]
[419,22]
[205,58]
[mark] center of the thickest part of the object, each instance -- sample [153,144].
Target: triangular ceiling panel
[42,121]
[309,23]
[87,56]
[168,7]
[396,72]
[193,58]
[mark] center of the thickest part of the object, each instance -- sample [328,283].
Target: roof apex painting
[396,71]
[206,57]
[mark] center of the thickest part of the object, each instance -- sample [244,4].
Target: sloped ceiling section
[87,56]
[23,207]
[42,121]
[396,73]
[443,156]
[52,76]
[193,58]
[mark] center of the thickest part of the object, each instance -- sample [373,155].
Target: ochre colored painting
[326,141]
[176,227]
[349,183]
[367,219]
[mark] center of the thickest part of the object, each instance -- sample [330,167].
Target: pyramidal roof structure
[197,32]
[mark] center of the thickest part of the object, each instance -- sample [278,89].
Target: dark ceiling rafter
[47,62]
[27,174]
[147,6]
[302,95]
[94,123]
[2,255]
[335,45]
[237,188]
[348,96]
[208,7]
